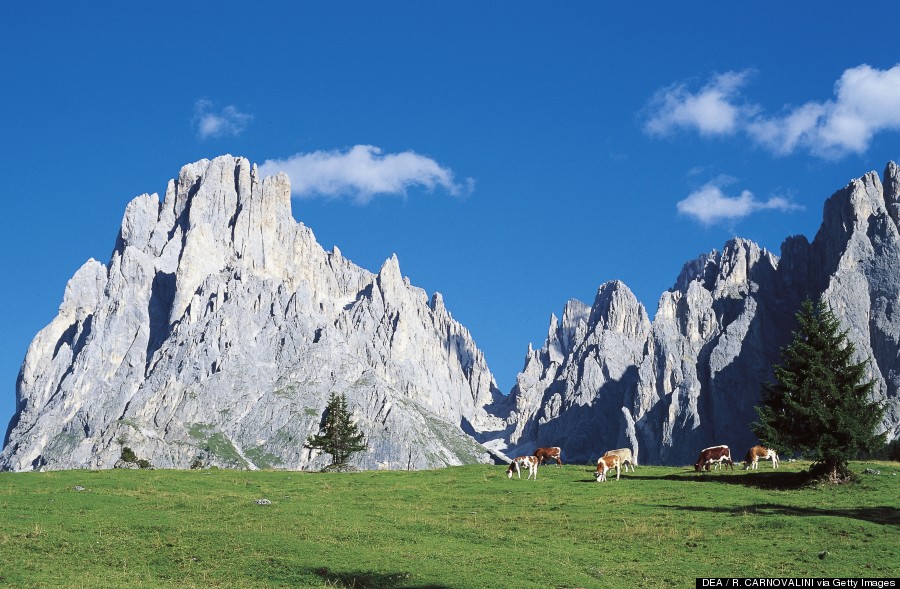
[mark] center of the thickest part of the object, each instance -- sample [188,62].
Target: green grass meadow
[462,527]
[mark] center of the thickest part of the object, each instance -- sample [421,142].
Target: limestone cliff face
[608,377]
[218,329]
[855,264]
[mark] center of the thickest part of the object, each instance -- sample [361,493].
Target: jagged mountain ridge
[217,331]
[609,377]
[219,327]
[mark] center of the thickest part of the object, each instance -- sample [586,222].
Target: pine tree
[820,403]
[338,435]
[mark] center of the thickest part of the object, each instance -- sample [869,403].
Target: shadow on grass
[884,515]
[782,481]
[369,580]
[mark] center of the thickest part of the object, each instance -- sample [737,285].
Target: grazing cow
[605,464]
[543,454]
[713,455]
[718,463]
[757,453]
[529,462]
[625,457]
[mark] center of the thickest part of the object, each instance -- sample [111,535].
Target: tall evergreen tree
[820,403]
[338,435]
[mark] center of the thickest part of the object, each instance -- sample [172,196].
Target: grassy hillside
[464,527]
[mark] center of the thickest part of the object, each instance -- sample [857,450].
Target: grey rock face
[609,378]
[856,266]
[219,328]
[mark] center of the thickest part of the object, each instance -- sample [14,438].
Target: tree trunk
[834,470]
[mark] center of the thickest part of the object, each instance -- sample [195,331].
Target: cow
[712,455]
[625,457]
[529,462]
[605,464]
[717,463]
[543,454]
[757,453]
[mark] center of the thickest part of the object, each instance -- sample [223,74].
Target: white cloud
[709,205]
[784,134]
[363,172]
[711,111]
[212,123]
[866,102]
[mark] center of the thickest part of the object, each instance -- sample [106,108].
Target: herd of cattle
[714,456]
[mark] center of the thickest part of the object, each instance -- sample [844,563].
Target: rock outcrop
[608,377]
[216,333]
[219,327]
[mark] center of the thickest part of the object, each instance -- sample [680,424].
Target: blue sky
[512,155]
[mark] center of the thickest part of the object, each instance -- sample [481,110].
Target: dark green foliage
[338,435]
[890,451]
[128,454]
[820,403]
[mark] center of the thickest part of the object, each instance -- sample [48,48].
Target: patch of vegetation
[128,455]
[890,451]
[130,423]
[283,437]
[200,431]
[464,448]
[366,379]
[220,446]
[288,392]
[216,444]
[261,458]
[62,443]
[458,528]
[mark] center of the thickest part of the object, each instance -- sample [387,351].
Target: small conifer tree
[820,403]
[338,435]
[128,455]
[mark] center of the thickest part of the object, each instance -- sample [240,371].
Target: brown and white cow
[543,454]
[605,464]
[625,457]
[757,453]
[712,455]
[529,462]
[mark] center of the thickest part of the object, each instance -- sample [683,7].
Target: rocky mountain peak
[617,309]
[703,268]
[740,267]
[390,279]
[219,328]
[692,377]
